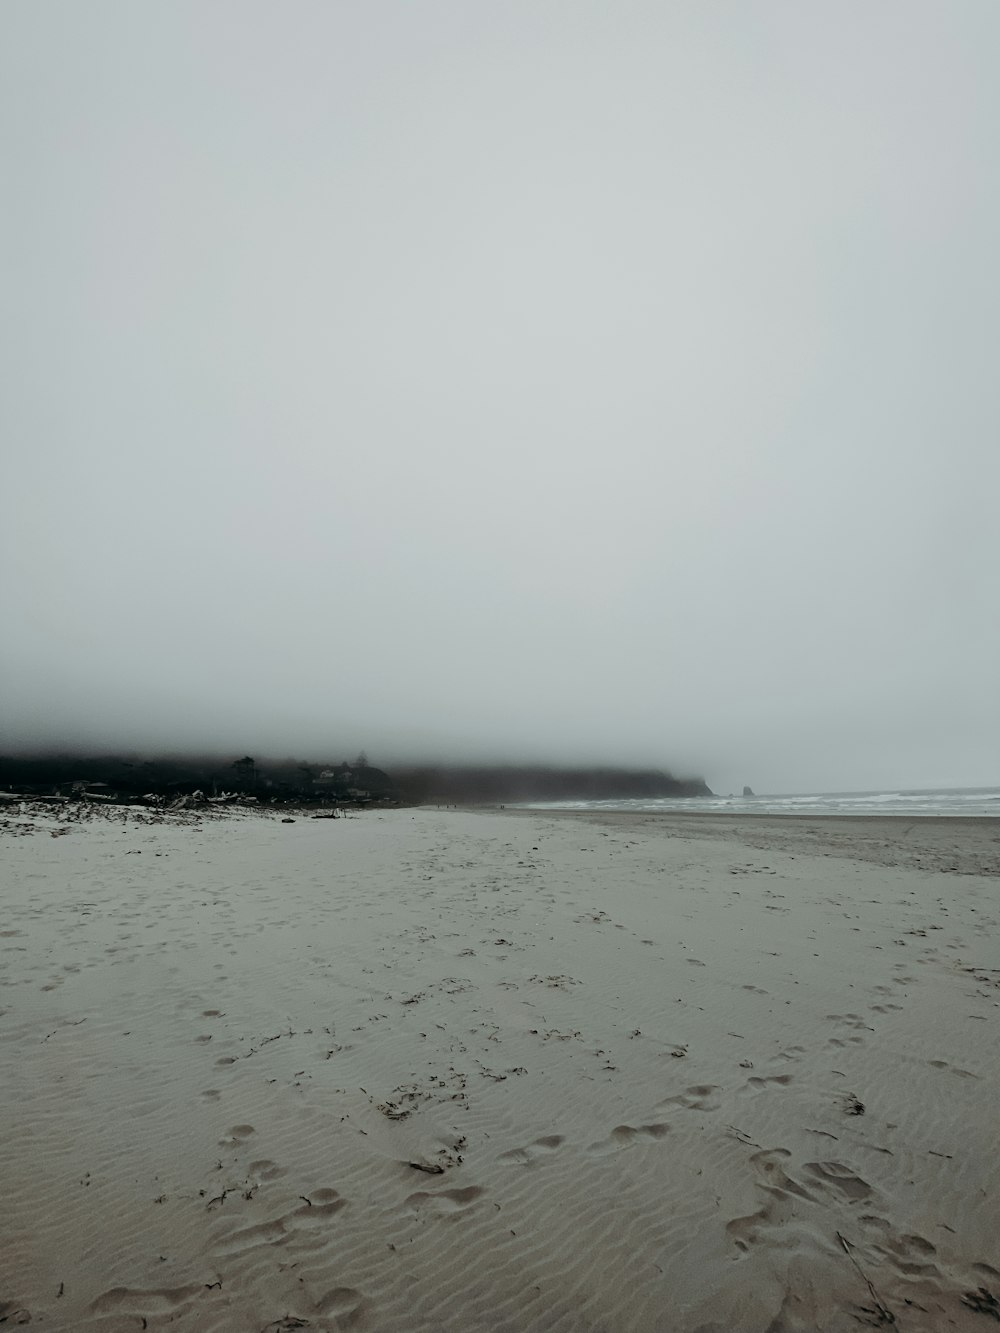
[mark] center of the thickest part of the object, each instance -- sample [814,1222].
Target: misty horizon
[408,764]
[532,385]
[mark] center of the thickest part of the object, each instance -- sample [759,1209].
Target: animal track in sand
[532,1151]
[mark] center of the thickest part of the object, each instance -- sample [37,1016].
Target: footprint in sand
[533,1151]
[317,1206]
[909,1254]
[701,1097]
[624,1136]
[839,1180]
[343,1303]
[236,1135]
[248,1238]
[142,1303]
[445,1202]
[762,1084]
[781,1195]
[315,1210]
[265,1169]
[791,1053]
[854,1023]
[849,1021]
[952,1069]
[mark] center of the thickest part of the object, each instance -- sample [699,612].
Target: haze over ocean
[977,801]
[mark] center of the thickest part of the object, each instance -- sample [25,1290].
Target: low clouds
[541,382]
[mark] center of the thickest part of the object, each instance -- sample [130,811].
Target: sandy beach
[473,1070]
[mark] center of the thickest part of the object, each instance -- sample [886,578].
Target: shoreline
[951,844]
[888,819]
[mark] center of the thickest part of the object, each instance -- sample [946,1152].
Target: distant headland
[501,784]
[135,779]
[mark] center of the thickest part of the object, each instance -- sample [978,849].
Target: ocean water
[946,801]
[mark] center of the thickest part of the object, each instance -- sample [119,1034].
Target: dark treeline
[500,785]
[131,778]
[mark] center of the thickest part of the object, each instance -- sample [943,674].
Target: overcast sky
[506,380]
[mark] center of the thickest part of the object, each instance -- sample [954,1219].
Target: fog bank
[530,383]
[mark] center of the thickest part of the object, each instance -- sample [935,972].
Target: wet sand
[499,1071]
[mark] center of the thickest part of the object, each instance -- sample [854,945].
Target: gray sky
[528,380]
